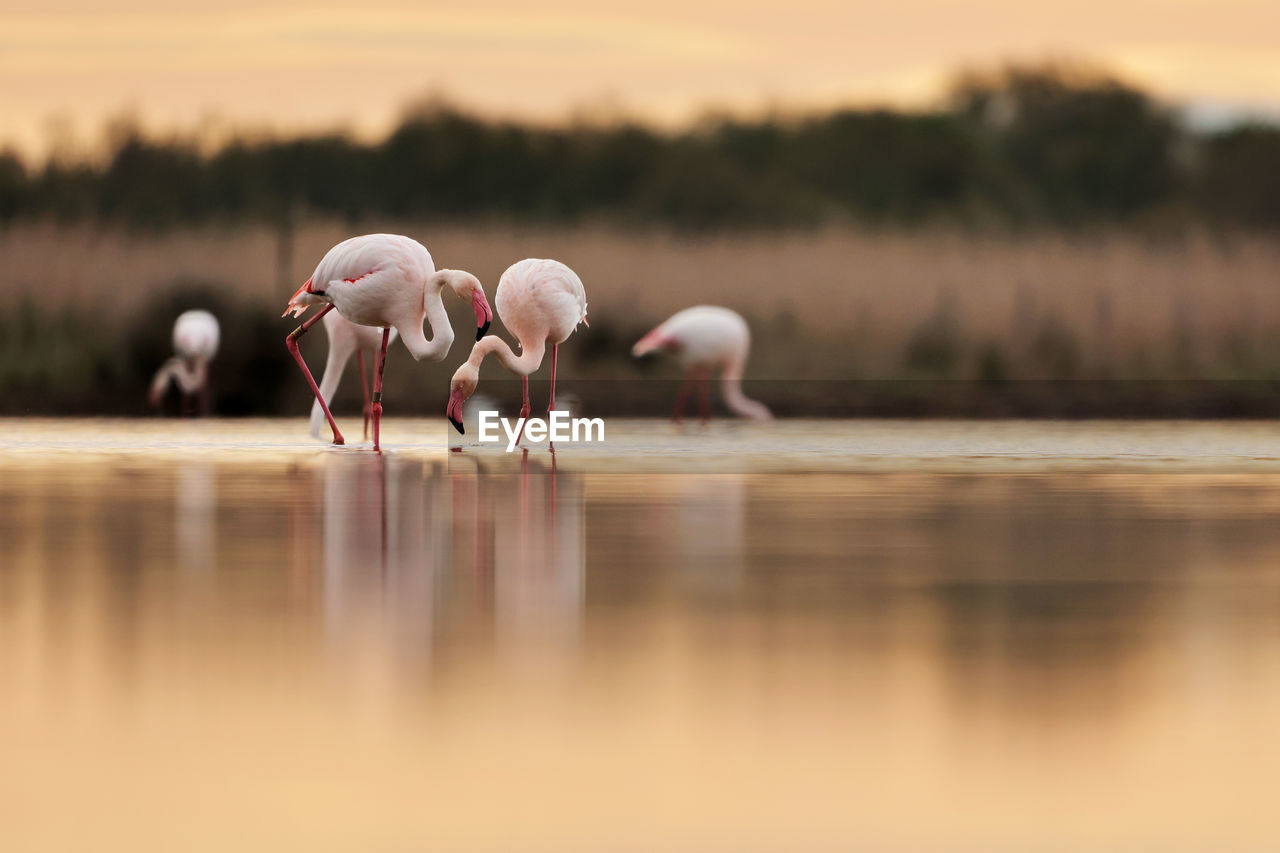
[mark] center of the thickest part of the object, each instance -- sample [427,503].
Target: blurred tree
[1238,178]
[152,184]
[889,166]
[14,186]
[1045,145]
[1083,144]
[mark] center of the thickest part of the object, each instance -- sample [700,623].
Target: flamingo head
[461,387]
[304,298]
[652,342]
[469,289]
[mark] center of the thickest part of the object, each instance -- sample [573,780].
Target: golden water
[808,636]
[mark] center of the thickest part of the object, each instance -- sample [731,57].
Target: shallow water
[810,635]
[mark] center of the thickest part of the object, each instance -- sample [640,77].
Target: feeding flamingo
[195,340]
[706,338]
[389,281]
[540,302]
[345,338]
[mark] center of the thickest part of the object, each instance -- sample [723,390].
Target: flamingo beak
[295,307]
[484,314]
[454,411]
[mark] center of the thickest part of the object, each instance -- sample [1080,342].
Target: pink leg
[483,509]
[524,407]
[553,496]
[377,386]
[681,397]
[551,402]
[364,386]
[704,398]
[292,343]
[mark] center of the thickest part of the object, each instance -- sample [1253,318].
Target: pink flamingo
[345,338]
[706,338]
[195,340]
[540,302]
[389,281]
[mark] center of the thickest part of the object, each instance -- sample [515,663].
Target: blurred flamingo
[195,342]
[388,281]
[540,301]
[345,338]
[706,338]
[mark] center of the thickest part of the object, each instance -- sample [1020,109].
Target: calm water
[806,636]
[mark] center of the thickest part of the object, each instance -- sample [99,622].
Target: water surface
[815,635]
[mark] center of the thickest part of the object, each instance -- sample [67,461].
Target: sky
[68,67]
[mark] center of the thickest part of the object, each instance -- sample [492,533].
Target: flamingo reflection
[539,559]
[195,504]
[412,550]
[379,556]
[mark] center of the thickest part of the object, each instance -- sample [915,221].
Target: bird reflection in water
[539,558]
[413,550]
[195,502]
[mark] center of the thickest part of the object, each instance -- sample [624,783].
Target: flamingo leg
[681,397]
[364,386]
[704,396]
[292,343]
[524,407]
[551,401]
[202,393]
[377,386]
[552,479]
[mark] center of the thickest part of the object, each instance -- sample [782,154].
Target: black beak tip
[483,330]
[458,426]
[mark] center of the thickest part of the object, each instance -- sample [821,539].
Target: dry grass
[1118,297]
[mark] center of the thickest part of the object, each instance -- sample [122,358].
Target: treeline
[1021,146]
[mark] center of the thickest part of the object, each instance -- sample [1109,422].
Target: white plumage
[707,339]
[541,302]
[388,281]
[196,335]
[345,340]
[195,342]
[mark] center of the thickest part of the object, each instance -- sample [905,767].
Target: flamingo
[540,301]
[345,338]
[707,338]
[195,340]
[389,281]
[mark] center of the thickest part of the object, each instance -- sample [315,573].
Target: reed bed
[829,304]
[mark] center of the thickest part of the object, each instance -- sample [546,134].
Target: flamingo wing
[357,260]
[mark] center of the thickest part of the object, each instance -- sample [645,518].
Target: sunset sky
[72,64]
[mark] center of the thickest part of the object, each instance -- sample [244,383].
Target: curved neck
[190,375]
[333,369]
[441,331]
[521,365]
[739,403]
